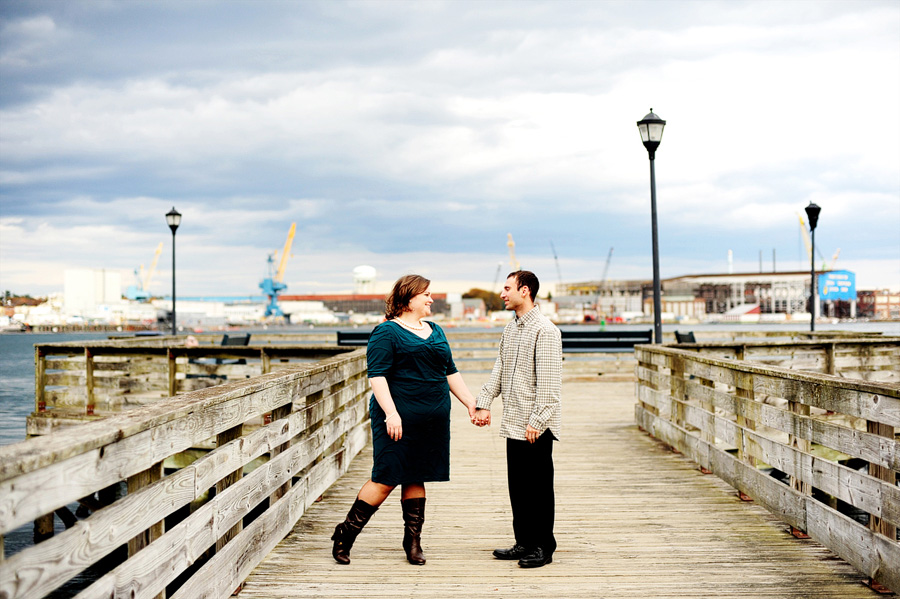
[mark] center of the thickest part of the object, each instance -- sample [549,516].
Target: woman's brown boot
[346,532]
[413,519]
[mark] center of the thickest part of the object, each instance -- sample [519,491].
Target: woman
[410,372]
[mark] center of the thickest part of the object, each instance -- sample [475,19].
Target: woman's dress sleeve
[380,352]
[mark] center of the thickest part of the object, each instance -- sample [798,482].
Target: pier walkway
[634,519]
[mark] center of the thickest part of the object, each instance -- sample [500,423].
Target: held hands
[480,417]
[531,434]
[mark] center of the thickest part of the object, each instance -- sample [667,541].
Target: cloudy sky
[414,136]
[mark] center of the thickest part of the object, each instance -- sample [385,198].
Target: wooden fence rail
[871,359]
[194,531]
[818,450]
[88,380]
[80,381]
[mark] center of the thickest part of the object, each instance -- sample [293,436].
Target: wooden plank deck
[633,519]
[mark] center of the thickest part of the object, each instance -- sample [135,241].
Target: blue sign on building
[837,285]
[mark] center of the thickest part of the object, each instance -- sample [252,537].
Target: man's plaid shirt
[528,374]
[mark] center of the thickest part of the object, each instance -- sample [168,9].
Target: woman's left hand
[394,425]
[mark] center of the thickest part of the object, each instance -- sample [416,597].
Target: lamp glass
[655,132]
[645,134]
[173,218]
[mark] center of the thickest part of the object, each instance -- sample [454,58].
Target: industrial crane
[606,268]
[273,285]
[141,291]
[808,244]
[514,264]
[497,277]
[556,259]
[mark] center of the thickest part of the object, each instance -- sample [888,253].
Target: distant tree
[491,300]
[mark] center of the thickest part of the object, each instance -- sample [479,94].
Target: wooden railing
[810,447]
[88,380]
[865,358]
[79,381]
[167,520]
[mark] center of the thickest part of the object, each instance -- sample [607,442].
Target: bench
[599,341]
[353,338]
[685,337]
[234,340]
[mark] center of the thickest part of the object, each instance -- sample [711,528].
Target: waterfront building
[588,301]
[87,288]
[362,304]
[773,296]
[885,304]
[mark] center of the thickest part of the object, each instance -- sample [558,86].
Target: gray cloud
[398,131]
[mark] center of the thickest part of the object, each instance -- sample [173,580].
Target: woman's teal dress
[416,370]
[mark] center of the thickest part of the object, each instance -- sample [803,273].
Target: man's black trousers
[529,469]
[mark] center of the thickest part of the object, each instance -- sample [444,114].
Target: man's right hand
[482,417]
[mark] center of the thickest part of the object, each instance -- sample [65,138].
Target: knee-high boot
[346,532]
[413,519]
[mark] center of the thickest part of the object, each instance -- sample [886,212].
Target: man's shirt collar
[529,316]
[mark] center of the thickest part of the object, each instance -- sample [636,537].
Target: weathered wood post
[88,382]
[172,368]
[743,388]
[43,525]
[829,358]
[804,445]
[708,434]
[266,361]
[676,388]
[134,484]
[883,473]
[877,524]
[277,414]
[40,365]
[649,365]
[43,528]
[222,438]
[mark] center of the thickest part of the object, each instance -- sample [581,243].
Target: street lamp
[173,218]
[651,128]
[812,213]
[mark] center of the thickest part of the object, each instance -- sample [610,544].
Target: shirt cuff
[482,404]
[535,423]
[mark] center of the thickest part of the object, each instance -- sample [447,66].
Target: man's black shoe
[514,552]
[536,559]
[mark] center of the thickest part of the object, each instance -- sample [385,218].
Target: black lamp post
[812,213]
[651,128]
[173,218]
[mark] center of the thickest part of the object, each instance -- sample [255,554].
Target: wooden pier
[175,488]
[634,519]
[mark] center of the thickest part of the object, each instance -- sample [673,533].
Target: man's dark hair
[526,278]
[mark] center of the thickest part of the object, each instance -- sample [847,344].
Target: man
[528,374]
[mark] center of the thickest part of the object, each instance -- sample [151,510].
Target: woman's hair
[406,288]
